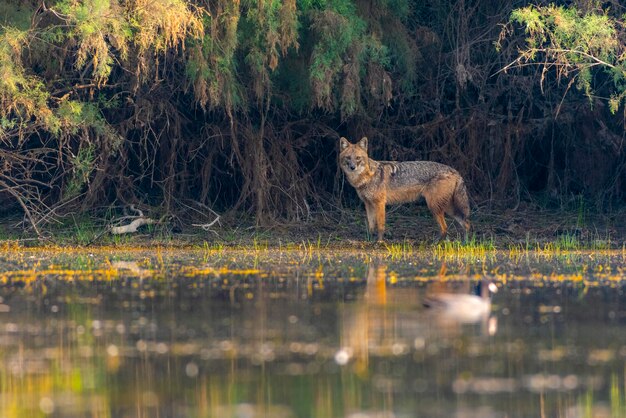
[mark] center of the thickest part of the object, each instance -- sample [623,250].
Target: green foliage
[252,38]
[402,57]
[51,74]
[260,32]
[575,43]
[343,54]
[27,104]
[337,37]
[91,24]
[23,97]
[17,14]
[83,163]
[83,75]
[399,8]
[211,66]
[104,29]
[270,26]
[74,115]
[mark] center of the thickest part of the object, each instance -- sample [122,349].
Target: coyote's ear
[343,143]
[363,143]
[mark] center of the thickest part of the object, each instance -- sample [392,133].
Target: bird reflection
[389,320]
[451,309]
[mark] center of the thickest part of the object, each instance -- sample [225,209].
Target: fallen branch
[132,227]
[208,226]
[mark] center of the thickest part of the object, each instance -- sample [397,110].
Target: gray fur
[379,183]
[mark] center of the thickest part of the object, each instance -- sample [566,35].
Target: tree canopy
[575,42]
[237,105]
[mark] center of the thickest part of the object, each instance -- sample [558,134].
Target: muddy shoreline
[414,227]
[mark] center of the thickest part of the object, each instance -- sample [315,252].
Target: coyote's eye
[358,159]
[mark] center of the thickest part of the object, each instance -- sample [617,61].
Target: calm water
[292,334]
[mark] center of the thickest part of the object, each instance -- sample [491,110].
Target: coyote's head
[353,157]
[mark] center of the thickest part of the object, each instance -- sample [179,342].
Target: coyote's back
[379,183]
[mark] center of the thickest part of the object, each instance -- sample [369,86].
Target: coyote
[379,183]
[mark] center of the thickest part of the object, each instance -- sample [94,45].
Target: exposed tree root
[137,222]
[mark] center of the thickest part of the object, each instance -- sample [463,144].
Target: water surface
[189,333]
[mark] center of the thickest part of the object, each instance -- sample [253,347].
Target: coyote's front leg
[379,209]
[370,210]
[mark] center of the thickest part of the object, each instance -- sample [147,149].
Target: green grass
[568,241]
[119,239]
[8,235]
[399,250]
[565,242]
[472,246]
[79,230]
[213,247]
[258,244]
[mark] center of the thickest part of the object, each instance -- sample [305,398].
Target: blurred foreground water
[182,333]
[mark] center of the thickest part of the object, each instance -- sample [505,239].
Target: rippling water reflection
[265,334]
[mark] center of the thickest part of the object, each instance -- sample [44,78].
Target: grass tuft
[471,247]
[400,249]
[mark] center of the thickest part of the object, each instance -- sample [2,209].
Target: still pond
[262,333]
